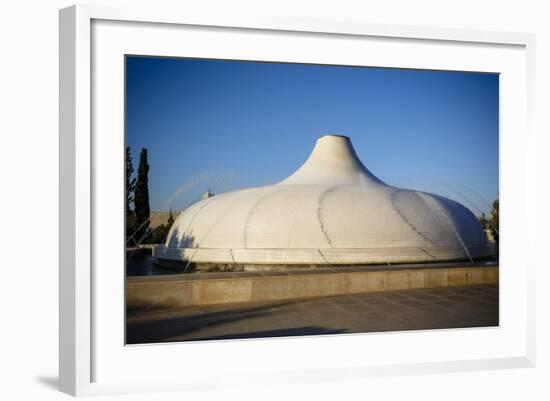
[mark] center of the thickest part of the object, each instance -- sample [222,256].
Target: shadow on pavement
[148,331]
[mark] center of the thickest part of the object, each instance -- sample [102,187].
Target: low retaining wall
[219,288]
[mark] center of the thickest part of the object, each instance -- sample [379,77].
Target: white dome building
[333,211]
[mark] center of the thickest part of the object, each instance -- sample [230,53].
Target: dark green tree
[493,221]
[130,187]
[483,221]
[158,234]
[141,196]
[170,219]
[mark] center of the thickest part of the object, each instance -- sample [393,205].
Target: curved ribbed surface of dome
[332,210]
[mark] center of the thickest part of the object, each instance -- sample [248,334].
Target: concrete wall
[208,289]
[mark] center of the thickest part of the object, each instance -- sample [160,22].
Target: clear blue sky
[232,124]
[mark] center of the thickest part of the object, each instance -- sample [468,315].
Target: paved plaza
[454,307]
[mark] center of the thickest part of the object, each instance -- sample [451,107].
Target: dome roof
[332,210]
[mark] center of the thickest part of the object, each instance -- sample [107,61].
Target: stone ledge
[220,288]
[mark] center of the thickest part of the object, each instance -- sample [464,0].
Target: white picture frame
[82,343]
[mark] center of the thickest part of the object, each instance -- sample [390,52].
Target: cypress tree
[492,224]
[130,187]
[141,196]
[494,221]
